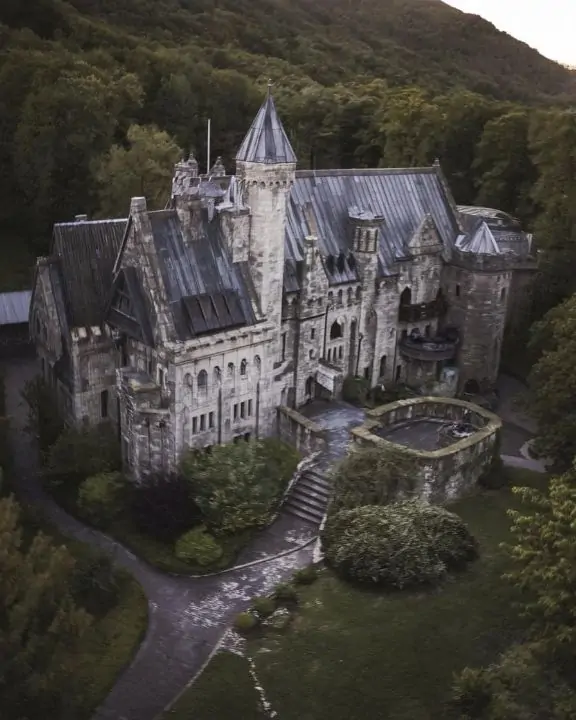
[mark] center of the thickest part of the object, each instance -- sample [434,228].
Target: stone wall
[295,429]
[446,474]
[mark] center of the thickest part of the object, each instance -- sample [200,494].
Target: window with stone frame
[202,382]
[243,367]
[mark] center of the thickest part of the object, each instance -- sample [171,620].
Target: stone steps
[309,498]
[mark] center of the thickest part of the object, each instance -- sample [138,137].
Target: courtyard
[352,654]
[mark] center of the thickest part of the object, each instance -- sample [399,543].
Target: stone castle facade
[190,326]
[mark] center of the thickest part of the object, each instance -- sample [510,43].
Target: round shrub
[198,547]
[305,576]
[400,545]
[263,606]
[285,593]
[245,621]
[102,497]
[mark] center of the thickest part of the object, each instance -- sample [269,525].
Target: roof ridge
[366,171]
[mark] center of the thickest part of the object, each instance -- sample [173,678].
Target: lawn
[352,653]
[225,692]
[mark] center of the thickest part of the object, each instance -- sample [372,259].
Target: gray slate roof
[321,202]
[266,141]
[206,291]
[86,252]
[15,307]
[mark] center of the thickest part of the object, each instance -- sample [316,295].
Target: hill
[422,42]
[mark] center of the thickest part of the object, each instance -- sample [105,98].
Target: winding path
[187,616]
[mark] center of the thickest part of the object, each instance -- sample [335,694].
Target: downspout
[360,338]
[257,409]
[220,415]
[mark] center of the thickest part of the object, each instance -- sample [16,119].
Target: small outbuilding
[14,333]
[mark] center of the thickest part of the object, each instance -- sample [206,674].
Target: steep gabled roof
[86,252]
[481,242]
[320,201]
[206,291]
[266,141]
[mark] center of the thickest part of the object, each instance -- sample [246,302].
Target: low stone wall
[448,473]
[306,436]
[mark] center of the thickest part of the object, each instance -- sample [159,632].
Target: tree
[553,147]
[65,121]
[535,679]
[40,623]
[504,168]
[553,383]
[144,169]
[237,486]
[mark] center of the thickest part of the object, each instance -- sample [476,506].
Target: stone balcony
[412,313]
[428,349]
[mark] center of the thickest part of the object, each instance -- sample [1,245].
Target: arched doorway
[310,387]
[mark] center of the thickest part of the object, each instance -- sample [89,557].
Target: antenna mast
[208,149]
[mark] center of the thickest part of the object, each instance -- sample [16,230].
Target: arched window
[258,364]
[330,297]
[503,294]
[202,381]
[349,296]
[104,404]
[243,367]
[340,352]
[188,382]
[358,292]
[340,295]
[383,366]
[406,297]
[217,375]
[230,370]
[329,354]
[335,330]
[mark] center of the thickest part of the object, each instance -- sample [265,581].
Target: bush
[238,486]
[245,621]
[102,497]
[285,593]
[400,546]
[80,453]
[305,576]
[373,476]
[263,606]
[355,390]
[161,506]
[198,547]
[94,585]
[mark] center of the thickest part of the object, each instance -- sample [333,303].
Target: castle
[190,326]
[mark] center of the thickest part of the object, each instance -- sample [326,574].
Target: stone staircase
[308,498]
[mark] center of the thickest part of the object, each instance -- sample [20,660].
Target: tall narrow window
[383,366]
[203,381]
[242,409]
[236,411]
[249,408]
[243,367]
[202,422]
[211,420]
[283,346]
[194,425]
[457,290]
[104,404]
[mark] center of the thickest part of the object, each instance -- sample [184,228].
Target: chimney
[137,205]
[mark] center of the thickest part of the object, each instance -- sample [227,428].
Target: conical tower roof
[266,141]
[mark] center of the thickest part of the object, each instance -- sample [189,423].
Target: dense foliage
[101,497]
[238,486]
[553,384]
[537,677]
[198,547]
[51,603]
[399,546]
[97,96]
[373,476]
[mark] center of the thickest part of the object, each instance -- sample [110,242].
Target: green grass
[225,692]
[353,653]
[110,646]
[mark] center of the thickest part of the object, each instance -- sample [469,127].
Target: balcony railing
[424,311]
[429,349]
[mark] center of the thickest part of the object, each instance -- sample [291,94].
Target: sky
[547,25]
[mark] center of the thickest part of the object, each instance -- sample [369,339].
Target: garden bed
[353,653]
